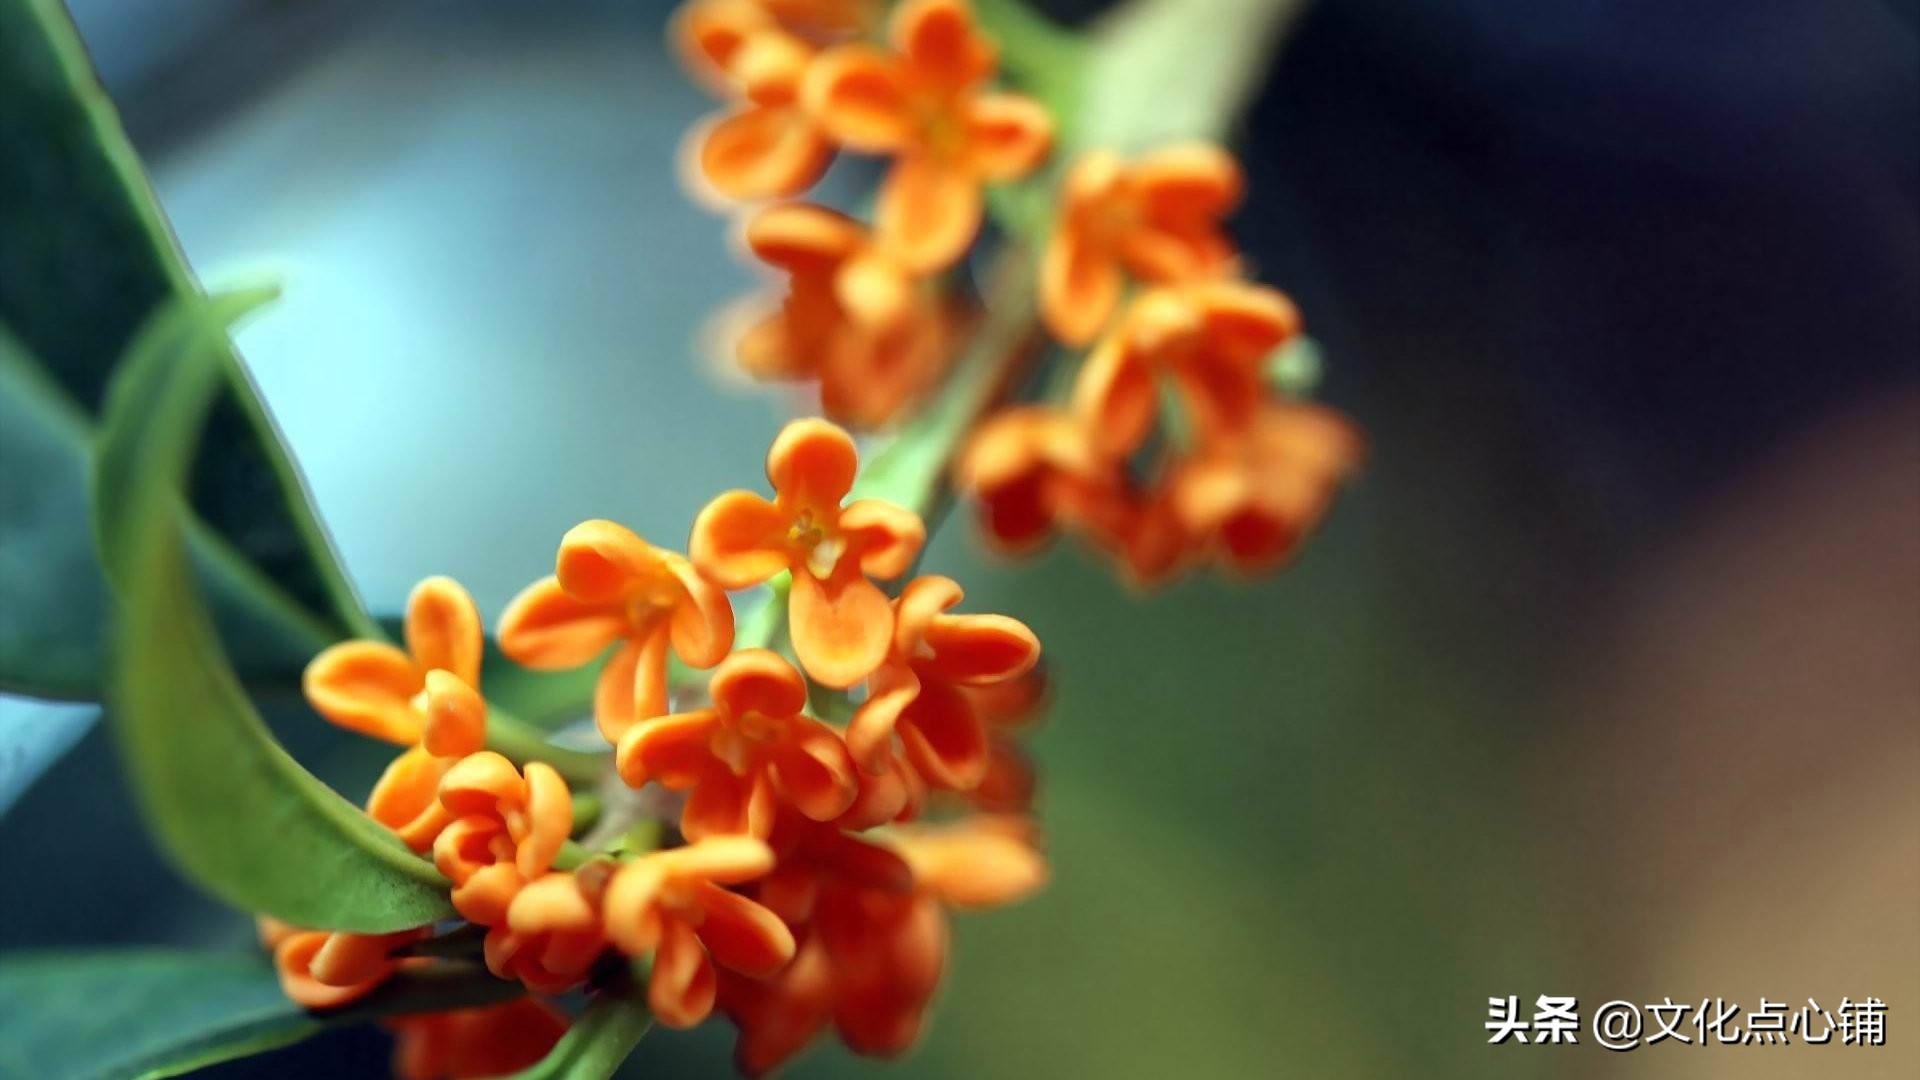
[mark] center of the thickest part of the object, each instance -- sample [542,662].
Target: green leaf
[596,1044]
[1159,71]
[152,1013]
[53,628]
[234,809]
[87,259]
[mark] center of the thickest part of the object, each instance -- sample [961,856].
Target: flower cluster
[798,889]
[1172,448]
[867,314]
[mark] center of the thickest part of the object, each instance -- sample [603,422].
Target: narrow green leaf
[1159,71]
[86,260]
[53,627]
[236,812]
[153,1013]
[596,1044]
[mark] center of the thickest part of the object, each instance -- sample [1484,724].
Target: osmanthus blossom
[674,905]
[923,102]
[424,697]
[551,935]
[1156,218]
[839,620]
[507,827]
[490,1040]
[853,319]
[325,969]
[1208,341]
[920,693]
[767,144]
[609,586]
[872,931]
[1256,495]
[746,755]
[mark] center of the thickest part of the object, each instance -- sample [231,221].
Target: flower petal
[928,213]
[812,463]
[812,772]
[943,738]
[681,989]
[368,687]
[630,912]
[724,860]
[1115,396]
[292,962]
[545,628]
[757,681]
[616,705]
[859,95]
[940,42]
[870,733]
[722,804]
[480,783]
[456,716]
[803,238]
[739,540]
[1187,181]
[978,649]
[443,628]
[674,751]
[487,893]
[702,621]
[404,799]
[740,934]
[1080,285]
[549,820]
[603,562]
[978,863]
[884,538]
[1008,136]
[763,152]
[840,627]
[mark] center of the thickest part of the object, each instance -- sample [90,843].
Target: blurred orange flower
[839,620]
[745,756]
[852,318]
[1253,498]
[1156,217]
[610,585]
[922,102]
[768,145]
[1209,341]
[493,1040]
[321,969]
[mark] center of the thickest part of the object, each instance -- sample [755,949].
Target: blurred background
[1603,681]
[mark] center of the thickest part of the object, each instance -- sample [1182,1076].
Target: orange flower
[1157,218]
[923,103]
[505,830]
[779,1015]
[747,754]
[768,145]
[424,698]
[983,861]
[1014,464]
[839,620]
[1008,709]
[673,904]
[610,585]
[1209,339]
[1256,497]
[551,935]
[322,969]
[918,694]
[494,1040]
[852,318]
